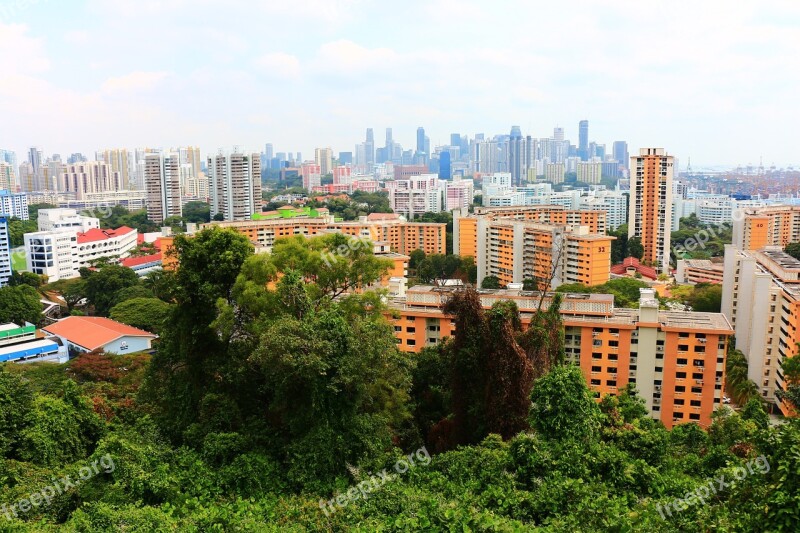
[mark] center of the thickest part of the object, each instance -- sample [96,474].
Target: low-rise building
[22,344]
[89,333]
[699,271]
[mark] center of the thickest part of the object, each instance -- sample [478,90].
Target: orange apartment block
[403,237]
[514,249]
[761,296]
[650,212]
[547,214]
[675,359]
[758,227]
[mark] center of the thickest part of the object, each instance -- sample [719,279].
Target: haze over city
[711,81]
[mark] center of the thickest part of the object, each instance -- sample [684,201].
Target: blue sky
[716,81]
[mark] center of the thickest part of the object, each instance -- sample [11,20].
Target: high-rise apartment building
[14,204]
[590,172]
[583,140]
[120,161]
[757,227]
[324,158]
[761,297]
[5,251]
[540,243]
[235,185]
[554,172]
[312,176]
[90,177]
[676,359]
[162,180]
[650,212]
[8,177]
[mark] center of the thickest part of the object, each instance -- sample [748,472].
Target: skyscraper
[162,181]
[516,156]
[420,139]
[620,150]
[324,158]
[445,172]
[369,148]
[235,184]
[583,140]
[650,212]
[8,156]
[268,151]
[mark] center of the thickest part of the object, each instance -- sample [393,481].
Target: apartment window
[432,340]
[411,330]
[680,375]
[660,342]
[683,347]
[632,367]
[680,388]
[596,369]
[614,330]
[611,383]
[596,355]
[595,382]
[697,375]
[612,369]
[694,416]
[398,329]
[700,349]
[682,361]
[411,342]
[613,343]
[697,390]
[677,415]
[683,335]
[597,342]
[694,403]
[679,401]
[698,362]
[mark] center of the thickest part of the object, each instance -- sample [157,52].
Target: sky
[716,81]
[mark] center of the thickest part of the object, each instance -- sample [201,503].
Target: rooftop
[96,234]
[92,332]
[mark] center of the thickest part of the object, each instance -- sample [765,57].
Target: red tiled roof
[131,262]
[96,234]
[93,332]
[632,262]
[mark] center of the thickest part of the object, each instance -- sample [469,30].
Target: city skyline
[710,81]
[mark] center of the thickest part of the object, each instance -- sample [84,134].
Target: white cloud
[76,37]
[134,82]
[20,52]
[279,65]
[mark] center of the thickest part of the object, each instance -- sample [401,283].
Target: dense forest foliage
[277,401]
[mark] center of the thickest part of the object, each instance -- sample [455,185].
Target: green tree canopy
[20,304]
[148,314]
[103,285]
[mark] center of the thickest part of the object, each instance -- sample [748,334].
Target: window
[697,390]
[596,369]
[695,403]
[680,388]
[677,415]
[596,355]
[697,375]
[411,342]
[613,343]
[680,375]
[694,416]
[611,383]
[698,362]
[597,342]
[411,330]
[595,382]
[683,347]
[682,361]
[679,401]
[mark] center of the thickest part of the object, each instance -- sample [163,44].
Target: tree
[706,297]
[563,406]
[490,282]
[197,212]
[793,249]
[219,217]
[25,278]
[103,285]
[635,248]
[20,304]
[148,314]
[134,291]
[16,401]
[415,258]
